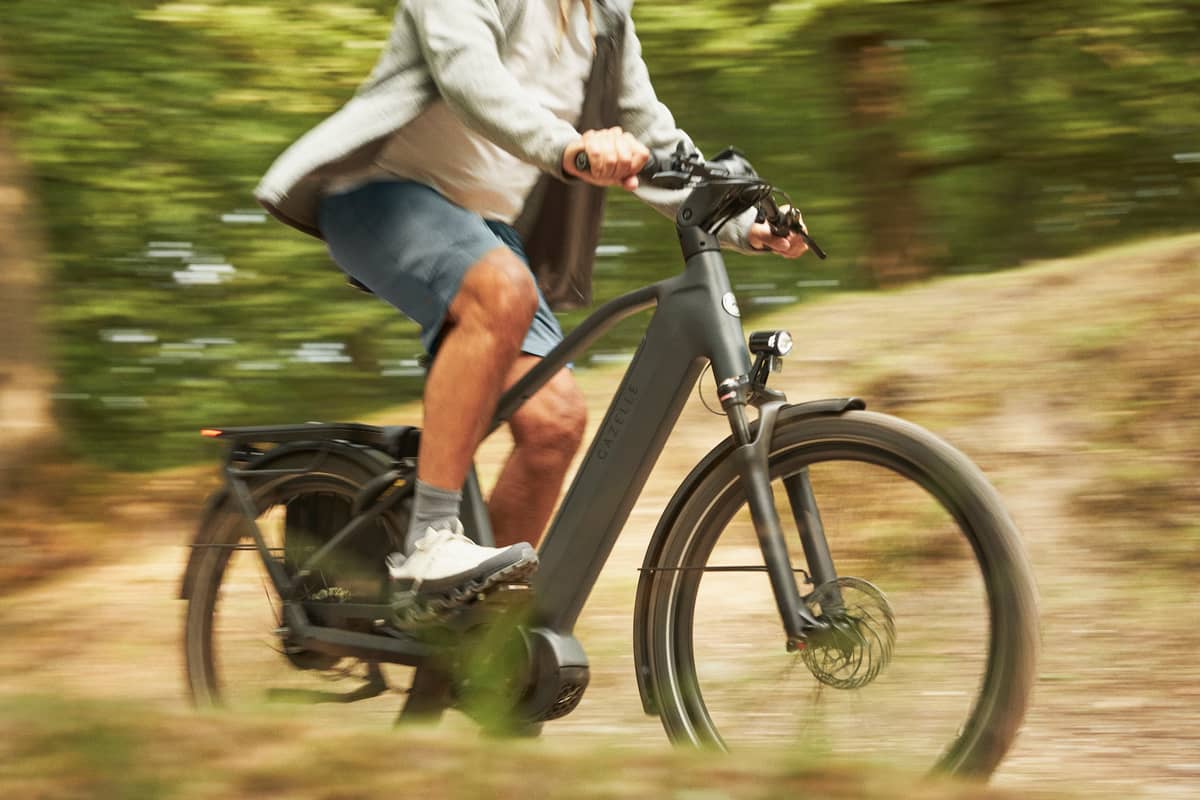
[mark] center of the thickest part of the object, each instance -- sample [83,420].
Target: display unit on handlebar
[315,507]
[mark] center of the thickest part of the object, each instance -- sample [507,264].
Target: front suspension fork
[753,456]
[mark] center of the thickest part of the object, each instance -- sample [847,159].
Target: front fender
[364,457]
[642,642]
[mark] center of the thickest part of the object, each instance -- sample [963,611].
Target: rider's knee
[498,292]
[552,422]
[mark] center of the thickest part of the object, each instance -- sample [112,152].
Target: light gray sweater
[453,49]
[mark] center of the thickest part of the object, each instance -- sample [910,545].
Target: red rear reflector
[211,432]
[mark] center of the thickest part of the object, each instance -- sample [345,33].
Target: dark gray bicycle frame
[693,324]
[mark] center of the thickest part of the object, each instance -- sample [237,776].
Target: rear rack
[397,441]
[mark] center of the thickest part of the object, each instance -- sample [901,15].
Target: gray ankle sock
[432,508]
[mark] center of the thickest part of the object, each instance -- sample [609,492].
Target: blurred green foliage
[959,137]
[54,747]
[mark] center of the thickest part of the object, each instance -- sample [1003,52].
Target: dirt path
[1116,709]
[1117,705]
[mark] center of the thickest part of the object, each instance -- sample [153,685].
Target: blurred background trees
[26,376]
[920,138]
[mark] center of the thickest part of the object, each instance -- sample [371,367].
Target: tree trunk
[26,424]
[871,75]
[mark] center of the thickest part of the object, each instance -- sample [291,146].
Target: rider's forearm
[737,231]
[459,40]
[734,235]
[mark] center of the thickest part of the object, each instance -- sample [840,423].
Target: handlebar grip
[652,167]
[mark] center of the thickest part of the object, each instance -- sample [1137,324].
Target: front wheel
[934,594]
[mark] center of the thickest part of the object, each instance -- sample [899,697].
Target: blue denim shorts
[412,247]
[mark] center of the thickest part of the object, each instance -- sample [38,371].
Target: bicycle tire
[233,657]
[921,474]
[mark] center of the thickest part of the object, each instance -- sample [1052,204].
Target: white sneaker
[444,561]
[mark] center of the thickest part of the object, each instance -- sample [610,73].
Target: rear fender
[220,502]
[642,641]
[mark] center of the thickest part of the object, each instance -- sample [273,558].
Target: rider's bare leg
[486,323]
[546,431]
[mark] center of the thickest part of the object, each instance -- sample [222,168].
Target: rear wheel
[235,656]
[935,604]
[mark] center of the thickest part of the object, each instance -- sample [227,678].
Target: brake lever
[782,224]
[808,240]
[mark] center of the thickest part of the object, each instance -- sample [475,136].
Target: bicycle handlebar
[652,167]
[678,169]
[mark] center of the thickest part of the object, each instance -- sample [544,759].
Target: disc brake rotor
[861,635]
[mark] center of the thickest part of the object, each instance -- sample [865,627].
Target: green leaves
[1023,129]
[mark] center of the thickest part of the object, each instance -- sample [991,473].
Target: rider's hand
[615,158]
[761,238]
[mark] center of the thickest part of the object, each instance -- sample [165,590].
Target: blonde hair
[564,14]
